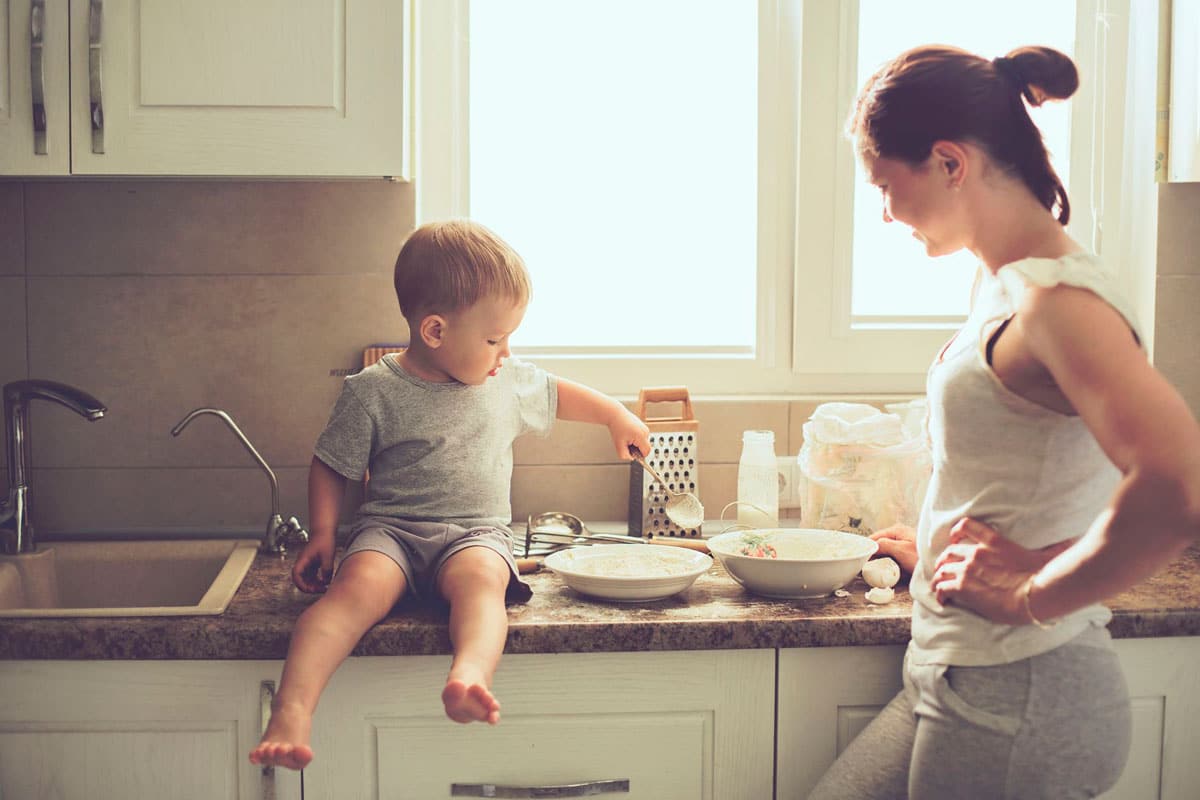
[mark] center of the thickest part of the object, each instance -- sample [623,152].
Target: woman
[1066,469]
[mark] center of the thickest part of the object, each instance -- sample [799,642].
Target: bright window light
[892,276]
[613,143]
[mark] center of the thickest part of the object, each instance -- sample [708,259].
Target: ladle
[682,508]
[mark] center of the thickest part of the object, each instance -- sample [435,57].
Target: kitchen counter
[715,613]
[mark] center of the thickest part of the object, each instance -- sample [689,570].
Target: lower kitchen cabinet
[134,729]
[684,725]
[687,725]
[828,695]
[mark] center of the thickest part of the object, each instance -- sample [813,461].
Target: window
[676,176]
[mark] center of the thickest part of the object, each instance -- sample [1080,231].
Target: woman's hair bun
[1039,73]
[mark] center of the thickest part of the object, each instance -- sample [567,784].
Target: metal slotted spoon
[682,508]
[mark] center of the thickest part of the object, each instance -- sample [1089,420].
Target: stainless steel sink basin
[124,578]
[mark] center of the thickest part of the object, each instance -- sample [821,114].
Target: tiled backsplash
[255,297]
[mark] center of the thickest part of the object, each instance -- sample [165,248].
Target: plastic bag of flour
[865,469]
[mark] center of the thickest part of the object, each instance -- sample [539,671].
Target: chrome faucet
[16,526]
[279,532]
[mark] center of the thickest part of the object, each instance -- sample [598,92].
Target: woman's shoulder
[1038,287]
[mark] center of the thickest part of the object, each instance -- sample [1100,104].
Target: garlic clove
[881,595]
[881,573]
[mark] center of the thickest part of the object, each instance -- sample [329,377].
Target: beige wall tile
[718,486]
[270,350]
[591,492]
[70,500]
[13,365]
[568,443]
[12,228]
[1178,232]
[215,227]
[723,421]
[1177,335]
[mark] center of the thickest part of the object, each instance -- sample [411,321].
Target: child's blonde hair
[451,265]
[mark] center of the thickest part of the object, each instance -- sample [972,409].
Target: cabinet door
[1164,687]
[225,87]
[674,725]
[33,62]
[826,696]
[80,729]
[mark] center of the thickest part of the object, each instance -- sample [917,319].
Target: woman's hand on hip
[985,572]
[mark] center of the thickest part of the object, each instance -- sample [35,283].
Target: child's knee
[477,569]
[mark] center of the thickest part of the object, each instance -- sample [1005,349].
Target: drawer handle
[562,790]
[37,75]
[266,693]
[95,85]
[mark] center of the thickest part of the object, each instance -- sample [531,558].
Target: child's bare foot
[285,743]
[469,700]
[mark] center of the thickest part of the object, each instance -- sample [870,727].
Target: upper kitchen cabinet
[223,87]
[1183,157]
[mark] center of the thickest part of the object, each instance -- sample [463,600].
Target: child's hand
[627,429]
[314,566]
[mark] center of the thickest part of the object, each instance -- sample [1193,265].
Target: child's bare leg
[473,581]
[364,589]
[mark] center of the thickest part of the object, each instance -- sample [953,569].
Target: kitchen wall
[256,297]
[1177,296]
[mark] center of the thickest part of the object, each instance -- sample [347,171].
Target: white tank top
[1035,475]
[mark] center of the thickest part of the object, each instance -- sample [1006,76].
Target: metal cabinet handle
[266,693]
[587,789]
[37,75]
[96,93]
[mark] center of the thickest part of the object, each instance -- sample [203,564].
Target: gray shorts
[421,548]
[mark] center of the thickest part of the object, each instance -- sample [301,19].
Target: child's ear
[431,330]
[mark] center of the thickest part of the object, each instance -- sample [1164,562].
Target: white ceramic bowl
[792,562]
[629,573]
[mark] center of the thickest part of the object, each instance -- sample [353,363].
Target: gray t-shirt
[439,452]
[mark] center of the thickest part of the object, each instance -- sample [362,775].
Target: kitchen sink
[124,578]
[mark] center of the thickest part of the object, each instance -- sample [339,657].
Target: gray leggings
[1056,725]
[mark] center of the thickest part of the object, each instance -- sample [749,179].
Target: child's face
[475,339]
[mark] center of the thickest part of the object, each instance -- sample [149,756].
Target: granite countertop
[715,613]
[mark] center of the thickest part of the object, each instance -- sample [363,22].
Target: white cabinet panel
[99,760]
[1164,684]
[177,729]
[828,695]
[19,80]
[223,87]
[686,725]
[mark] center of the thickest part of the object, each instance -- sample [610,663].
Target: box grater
[673,453]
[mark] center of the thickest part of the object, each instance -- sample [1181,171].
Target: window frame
[806,340]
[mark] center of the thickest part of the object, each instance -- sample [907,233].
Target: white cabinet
[828,695]
[686,725]
[97,729]
[1183,143]
[224,87]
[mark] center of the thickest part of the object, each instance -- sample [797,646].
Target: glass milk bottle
[758,481]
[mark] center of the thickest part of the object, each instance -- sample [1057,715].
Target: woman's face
[924,198]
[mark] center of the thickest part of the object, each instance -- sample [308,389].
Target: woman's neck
[1014,225]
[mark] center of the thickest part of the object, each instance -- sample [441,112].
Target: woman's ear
[431,330]
[951,160]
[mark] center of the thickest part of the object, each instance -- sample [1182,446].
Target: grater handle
[665,394]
